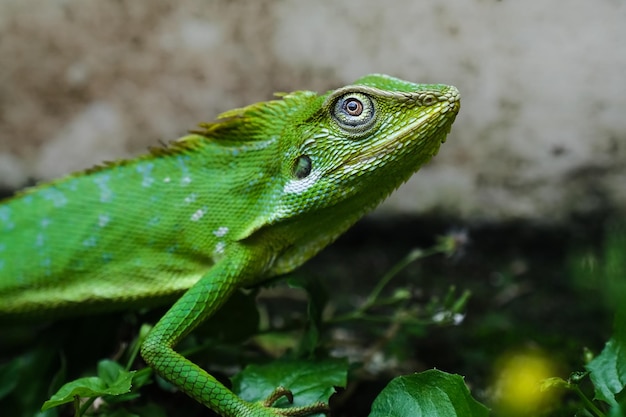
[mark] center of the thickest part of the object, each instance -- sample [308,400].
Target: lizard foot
[318,407]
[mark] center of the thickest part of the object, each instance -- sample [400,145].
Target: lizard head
[361,143]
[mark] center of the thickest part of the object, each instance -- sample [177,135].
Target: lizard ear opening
[302,167]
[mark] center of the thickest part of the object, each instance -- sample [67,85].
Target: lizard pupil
[353,107]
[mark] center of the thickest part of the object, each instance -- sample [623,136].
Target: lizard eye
[354,112]
[302,167]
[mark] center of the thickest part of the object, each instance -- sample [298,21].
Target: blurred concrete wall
[542,128]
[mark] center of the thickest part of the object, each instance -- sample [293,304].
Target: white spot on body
[198,214]
[219,248]
[185,176]
[4,214]
[90,242]
[57,197]
[166,180]
[106,195]
[72,185]
[5,217]
[190,198]
[103,219]
[39,242]
[221,231]
[45,222]
[146,170]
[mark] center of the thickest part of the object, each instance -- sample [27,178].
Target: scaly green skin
[251,196]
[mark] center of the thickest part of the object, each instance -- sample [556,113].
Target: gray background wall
[542,129]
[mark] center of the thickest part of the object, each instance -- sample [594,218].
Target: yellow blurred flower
[517,385]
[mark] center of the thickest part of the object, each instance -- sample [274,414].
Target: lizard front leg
[197,304]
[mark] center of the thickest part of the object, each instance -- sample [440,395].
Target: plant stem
[590,406]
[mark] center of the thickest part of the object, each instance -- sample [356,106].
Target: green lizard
[250,196]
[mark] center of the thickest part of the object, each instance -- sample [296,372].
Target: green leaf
[83,387]
[109,370]
[309,381]
[107,383]
[554,382]
[429,394]
[617,411]
[608,371]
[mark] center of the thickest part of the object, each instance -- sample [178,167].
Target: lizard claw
[276,394]
[279,392]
